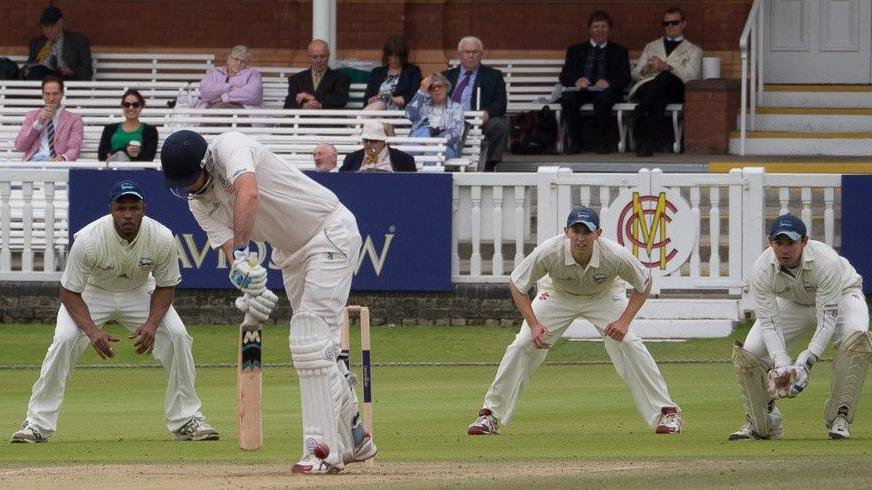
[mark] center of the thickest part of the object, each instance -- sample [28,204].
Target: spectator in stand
[58,52]
[233,86]
[325,156]
[51,133]
[376,155]
[319,87]
[596,71]
[434,114]
[131,140]
[392,85]
[665,66]
[476,81]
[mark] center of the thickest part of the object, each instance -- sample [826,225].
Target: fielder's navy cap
[585,216]
[50,16]
[125,188]
[789,226]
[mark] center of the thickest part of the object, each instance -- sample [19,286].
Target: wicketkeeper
[579,274]
[239,191]
[800,284]
[123,267]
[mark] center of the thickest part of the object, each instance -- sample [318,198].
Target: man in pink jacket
[51,133]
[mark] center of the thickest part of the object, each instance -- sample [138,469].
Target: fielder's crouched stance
[239,191]
[797,284]
[579,276]
[121,267]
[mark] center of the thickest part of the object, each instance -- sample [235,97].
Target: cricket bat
[248,384]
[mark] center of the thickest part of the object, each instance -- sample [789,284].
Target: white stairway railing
[751,49]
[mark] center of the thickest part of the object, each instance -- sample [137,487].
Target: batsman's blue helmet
[182,158]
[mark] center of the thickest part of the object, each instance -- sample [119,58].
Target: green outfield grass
[579,412]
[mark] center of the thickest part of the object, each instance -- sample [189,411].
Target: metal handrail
[751,35]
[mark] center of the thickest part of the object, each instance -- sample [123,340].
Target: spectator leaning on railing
[51,133]
[234,85]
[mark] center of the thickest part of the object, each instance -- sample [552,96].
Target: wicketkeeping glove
[781,381]
[259,306]
[248,277]
[804,361]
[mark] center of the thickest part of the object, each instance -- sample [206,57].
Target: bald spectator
[319,87]
[325,156]
[58,51]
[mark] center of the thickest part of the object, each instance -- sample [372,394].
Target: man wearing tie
[595,71]
[319,87]
[480,87]
[664,67]
[51,133]
[58,52]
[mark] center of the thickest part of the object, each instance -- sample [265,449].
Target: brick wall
[710,111]
[279,30]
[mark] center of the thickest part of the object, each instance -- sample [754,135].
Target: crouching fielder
[580,277]
[799,284]
[239,191]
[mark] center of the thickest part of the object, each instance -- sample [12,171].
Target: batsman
[800,284]
[239,191]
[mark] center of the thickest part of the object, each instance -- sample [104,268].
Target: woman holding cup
[131,140]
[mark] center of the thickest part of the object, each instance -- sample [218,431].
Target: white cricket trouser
[556,311]
[794,318]
[317,280]
[172,348]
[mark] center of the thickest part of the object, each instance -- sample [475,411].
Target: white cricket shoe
[670,421]
[839,428]
[746,432]
[28,434]
[196,430]
[485,424]
[312,465]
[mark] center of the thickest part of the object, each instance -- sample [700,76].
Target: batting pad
[322,387]
[849,372]
[754,388]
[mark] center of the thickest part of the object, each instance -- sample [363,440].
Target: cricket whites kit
[116,278]
[316,244]
[596,293]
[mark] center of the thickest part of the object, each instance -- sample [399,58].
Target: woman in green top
[131,140]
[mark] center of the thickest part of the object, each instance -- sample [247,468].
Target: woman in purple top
[232,86]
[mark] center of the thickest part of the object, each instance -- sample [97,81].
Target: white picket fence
[499,217]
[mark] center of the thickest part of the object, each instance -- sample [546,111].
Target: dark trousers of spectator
[652,98]
[38,72]
[571,103]
[496,133]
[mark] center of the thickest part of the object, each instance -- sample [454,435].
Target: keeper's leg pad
[753,387]
[323,388]
[849,372]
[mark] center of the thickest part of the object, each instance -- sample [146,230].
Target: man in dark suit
[58,52]
[597,71]
[376,155]
[319,87]
[466,81]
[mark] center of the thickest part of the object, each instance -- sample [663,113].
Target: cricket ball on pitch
[321,450]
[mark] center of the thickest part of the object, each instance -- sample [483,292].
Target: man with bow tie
[596,71]
[665,66]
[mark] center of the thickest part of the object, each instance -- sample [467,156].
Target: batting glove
[804,362]
[259,306]
[248,277]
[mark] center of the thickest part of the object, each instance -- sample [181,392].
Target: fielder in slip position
[578,275]
[239,191]
[798,284]
[122,267]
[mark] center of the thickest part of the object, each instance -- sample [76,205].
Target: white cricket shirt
[292,207]
[552,262]
[101,259]
[821,279]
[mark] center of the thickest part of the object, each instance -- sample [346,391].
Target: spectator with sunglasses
[131,140]
[664,67]
[434,114]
